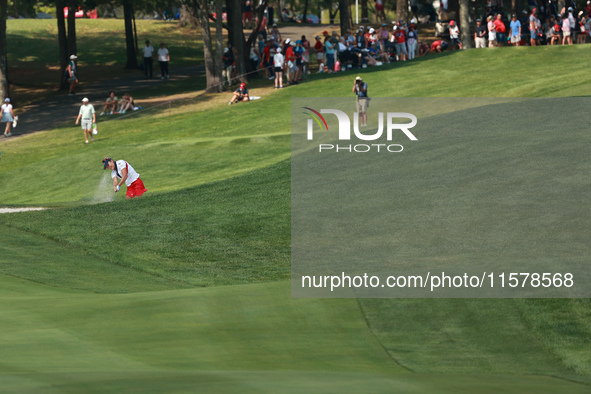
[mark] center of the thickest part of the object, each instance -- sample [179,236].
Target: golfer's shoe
[92,138]
[101,114]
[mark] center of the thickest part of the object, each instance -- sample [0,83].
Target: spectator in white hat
[88,117]
[71,74]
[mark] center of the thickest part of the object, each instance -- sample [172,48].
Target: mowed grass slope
[61,337]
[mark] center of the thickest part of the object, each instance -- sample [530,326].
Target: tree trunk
[72,5]
[63,43]
[332,15]
[186,18]
[236,35]
[213,66]
[465,24]
[364,11]
[131,63]
[3,62]
[401,10]
[260,11]
[304,19]
[345,11]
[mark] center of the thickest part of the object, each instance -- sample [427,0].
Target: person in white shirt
[278,63]
[122,171]
[148,52]
[7,116]
[454,35]
[163,59]
[88,116]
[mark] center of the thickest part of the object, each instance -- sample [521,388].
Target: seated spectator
[110,104]
[423,48]
[241,94]
[555,35]
[126,103]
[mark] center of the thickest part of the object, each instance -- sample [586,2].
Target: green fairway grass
[251,338]
[32,45]
[186,289]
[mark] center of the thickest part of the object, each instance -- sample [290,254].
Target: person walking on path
[88,117]
[71,72]
[148,51]
[163,59]
[122,170]
[7,116]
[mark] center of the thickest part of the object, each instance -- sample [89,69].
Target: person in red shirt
[501,30]
[319,48]
[266,61]
[439,46]
[290,59]
[400,42]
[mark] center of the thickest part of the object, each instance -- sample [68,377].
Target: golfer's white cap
[287,40]
[7,100]
[278,50]
[371,30]
[359,79]
[85,99]
[226,50]
[73,57]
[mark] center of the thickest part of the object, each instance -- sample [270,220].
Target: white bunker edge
[15,210]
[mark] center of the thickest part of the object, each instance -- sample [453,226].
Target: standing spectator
[148,51]
[411,41]
[380,11]
[7,115]
[275,34]
[492,33]
[515,28]
[533,28]
[247,14]
[278,63]
[360,90]
[582,38]
[305,55]
[290,59]
[88,118]
[263,27]
[163,59]
[588,9]
[399,37]
[330,53]
[454,35]
[299,55]
[359,39]
[383,36]
[319,49]
[71,71]
[228,62]
[267,62]
[566,30]
[501,31]
[480,35]
[254,57]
